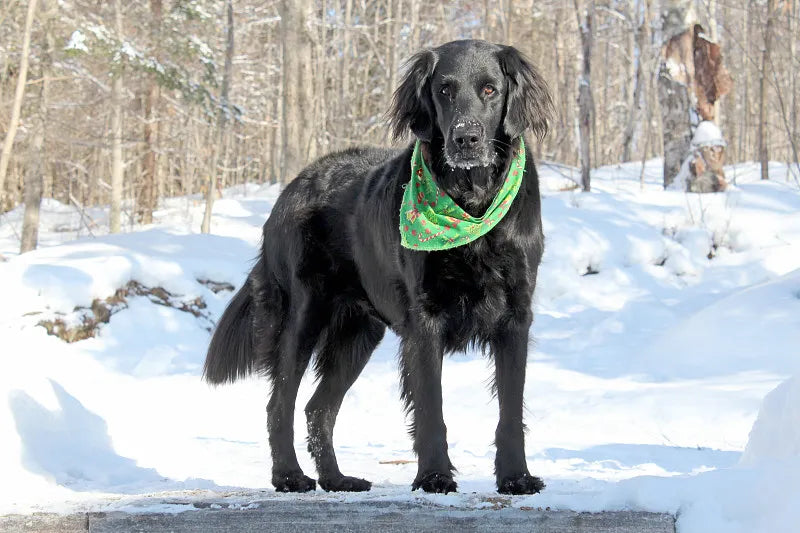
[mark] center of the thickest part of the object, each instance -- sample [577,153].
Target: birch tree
[585,97]
[223,116]
[639,20]
[39,162]
[763,130]
[673,90]
[19,95]
[148,190]
[298,136]
[117,163]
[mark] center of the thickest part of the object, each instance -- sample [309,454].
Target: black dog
[332,274]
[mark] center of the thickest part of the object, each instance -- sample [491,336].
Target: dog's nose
[467,135]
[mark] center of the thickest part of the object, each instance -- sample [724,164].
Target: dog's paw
[520,484]
[345,484]
[293,482]
[435,482]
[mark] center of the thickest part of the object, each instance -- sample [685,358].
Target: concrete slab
[44,523]
[312,516]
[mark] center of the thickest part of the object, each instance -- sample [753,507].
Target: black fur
[332,274]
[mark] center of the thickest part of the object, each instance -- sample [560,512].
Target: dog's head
[473,97]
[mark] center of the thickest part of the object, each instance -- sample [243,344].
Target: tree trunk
[744,117]
[148,192]
[117,164]
[390,52]
[485,27]
[19,94]
[34,178]
[673,90]
[322,76]
[585,98]
[414,36]
[714,34]
[763,148]
[345,98]
[275,99]
[393,45]
[639,82]
[793,14]
[634,58]
[275,146]
[692,79]
[508,16]
[297,87]
[222,120]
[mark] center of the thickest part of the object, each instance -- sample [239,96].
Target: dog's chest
[473,287]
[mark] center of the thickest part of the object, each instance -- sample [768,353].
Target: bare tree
[117,164]
[297,85]
[345,64]
[792,15]
[147,196]
[585,97]
[638,16]
[22,79]
[34,179]
[223,117]
[763,130]
[673,90]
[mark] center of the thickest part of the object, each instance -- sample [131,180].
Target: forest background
[124,103]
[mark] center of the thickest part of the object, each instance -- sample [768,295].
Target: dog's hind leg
[305,320]
[349,342]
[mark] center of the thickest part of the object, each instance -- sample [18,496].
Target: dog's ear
[528,103]
[412,107]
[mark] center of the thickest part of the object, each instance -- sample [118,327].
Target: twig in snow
[83,214]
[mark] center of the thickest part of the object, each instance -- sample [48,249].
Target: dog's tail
[246,336]
[231,351]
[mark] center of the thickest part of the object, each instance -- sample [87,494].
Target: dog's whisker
[498,141]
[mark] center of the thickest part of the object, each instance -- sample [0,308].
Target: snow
[77,42]
[776,433]
[100,33]
[202,47]
[128,50]
[663,321]
[707,134]
[676,69]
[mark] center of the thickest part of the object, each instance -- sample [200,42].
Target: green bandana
[431,220]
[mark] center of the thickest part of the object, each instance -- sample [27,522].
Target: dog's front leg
[510,352]
[421,369]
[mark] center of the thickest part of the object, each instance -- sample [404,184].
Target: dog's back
[305,238]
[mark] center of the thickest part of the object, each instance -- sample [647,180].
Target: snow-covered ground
[663,320]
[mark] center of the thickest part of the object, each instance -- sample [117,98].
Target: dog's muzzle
[468,136]
[468,141]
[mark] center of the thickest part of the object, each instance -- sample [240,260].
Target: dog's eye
[445,90]
[488,90]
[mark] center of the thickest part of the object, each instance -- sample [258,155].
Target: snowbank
[776,433]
